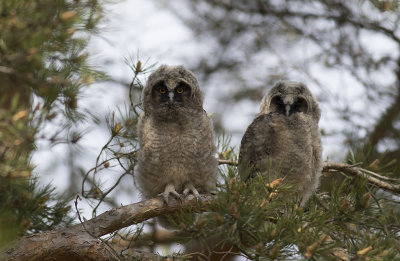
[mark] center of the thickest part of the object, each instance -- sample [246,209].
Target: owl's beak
[287,109]
[171,96]
[288,101]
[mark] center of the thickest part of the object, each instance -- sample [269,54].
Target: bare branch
[79,241]
[371,177]
[227,162]
[83,240]
[359,172]
[6,70]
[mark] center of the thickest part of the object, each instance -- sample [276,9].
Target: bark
[82,241]
[372,177]
[383,182]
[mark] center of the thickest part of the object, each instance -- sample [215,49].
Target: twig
[227,162]
[159,236]
[192,256]
[6,70]
[112,251]
[352,170]
[358,172]
[378,176]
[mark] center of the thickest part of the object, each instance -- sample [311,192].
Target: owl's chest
[172,142]
[289,138]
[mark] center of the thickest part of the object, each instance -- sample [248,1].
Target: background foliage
[44,70]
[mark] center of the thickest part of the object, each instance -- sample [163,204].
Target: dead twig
[352,170]
[374,179]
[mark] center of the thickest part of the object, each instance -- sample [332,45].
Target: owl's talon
[170,189]
[191,188]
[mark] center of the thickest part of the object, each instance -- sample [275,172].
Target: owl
[177,152]
[284,140]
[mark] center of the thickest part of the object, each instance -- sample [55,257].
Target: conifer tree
[357,218]
[42,70]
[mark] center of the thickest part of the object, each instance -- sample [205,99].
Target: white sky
[142,26]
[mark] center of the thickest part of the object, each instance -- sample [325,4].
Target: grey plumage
[284,141]
[177,152]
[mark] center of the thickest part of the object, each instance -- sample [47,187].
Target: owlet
[177,152]
[284,140]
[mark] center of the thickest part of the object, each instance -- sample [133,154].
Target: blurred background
[346,52]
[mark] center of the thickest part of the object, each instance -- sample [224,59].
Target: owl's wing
[256,144]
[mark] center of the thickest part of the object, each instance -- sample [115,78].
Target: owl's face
[172,91]
[289,98]
[171,95]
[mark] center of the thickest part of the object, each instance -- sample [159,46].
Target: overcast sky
[146,30]
[144,27]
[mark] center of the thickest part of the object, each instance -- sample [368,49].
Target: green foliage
[42,57]
[338,34]
[259,221]
[121,149]
[42,47]
[26,209]
[373,160]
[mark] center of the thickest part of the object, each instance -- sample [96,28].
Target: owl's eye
[163,90]
[179,90]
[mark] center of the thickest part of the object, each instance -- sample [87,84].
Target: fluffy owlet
[177,152]
[284,141]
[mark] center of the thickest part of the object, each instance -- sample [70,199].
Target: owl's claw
[191,188]
[170,189]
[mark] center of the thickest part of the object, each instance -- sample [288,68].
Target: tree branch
[371,177]
[6,70]
[227,162]
[81,241]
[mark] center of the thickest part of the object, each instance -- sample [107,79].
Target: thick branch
[81,241]
[65,245]
[125,216]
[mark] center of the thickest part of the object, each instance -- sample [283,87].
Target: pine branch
[227,162]
[370,176]
[83,241]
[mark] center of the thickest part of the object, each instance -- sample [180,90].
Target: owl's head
[172,89]
[289,98]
